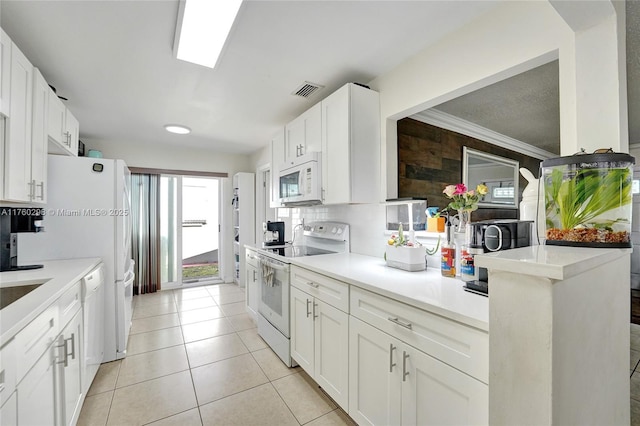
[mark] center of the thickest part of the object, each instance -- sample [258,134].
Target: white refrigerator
[88,215]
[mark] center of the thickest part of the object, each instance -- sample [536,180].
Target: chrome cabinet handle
[65,361]
[308,311]
[73,345]
[312,284]
[400,323]
[314,310]
[405,373]
[41,185]
[254,275]
[391,363]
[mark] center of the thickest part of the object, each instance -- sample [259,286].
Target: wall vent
[307,89]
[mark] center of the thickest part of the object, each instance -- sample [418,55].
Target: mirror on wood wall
[498,174]
[517,119]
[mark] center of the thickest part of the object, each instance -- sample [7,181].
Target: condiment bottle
[448,254]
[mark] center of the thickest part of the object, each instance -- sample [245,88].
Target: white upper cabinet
[63,128]
[351,146]
[277,159]
[5,73]
[17,168]
[39,137]
[303,135]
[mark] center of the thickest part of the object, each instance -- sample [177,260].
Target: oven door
[274,293]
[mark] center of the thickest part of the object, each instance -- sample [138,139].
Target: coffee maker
[12,222]
[273,234]
[490,236]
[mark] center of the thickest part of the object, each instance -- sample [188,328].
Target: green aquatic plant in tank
[588,200]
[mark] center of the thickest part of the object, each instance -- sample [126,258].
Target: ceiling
[114,61]
[526,107]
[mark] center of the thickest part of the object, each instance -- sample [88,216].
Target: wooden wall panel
[430,158]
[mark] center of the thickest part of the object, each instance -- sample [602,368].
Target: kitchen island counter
[57,275]
[427,290]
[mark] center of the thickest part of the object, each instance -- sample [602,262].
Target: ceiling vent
[307,89]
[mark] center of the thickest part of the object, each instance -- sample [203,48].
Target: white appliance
[93,316]
[88,215]
[273,307]
[301,181]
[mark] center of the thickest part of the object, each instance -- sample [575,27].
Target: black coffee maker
[13,221]
[273,234]
[490,236]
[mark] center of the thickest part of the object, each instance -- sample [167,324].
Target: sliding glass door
[190,230]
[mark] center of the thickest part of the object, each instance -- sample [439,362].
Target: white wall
[506,41]
[177,158]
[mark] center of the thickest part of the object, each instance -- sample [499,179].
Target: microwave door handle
[300,182]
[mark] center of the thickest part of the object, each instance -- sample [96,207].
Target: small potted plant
[407,255]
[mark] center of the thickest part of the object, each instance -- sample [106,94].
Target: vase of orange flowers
[464,201]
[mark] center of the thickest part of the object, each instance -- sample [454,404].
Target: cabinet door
[277,159]
[72,133]
[71,387]
[17,173]
[9,411]
[56,123]
[336,148]
[39,142]
[434,393]
[375,379]
[252,286]
[5,73]
[331,332]
[304,134]
[302,330]
[37,392]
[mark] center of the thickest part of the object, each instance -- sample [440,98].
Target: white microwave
[300,181]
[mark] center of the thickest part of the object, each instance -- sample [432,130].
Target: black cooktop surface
[296,251]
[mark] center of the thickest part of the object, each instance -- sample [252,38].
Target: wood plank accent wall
[430,158]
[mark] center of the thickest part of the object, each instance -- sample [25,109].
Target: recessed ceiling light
[176,128]
[202,29]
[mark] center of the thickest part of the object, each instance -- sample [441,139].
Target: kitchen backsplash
[366,221]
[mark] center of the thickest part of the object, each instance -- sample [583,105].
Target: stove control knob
[339,231]
[334,230]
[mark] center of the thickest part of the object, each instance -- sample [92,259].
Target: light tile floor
[195,358]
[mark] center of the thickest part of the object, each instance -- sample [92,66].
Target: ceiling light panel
[203,30]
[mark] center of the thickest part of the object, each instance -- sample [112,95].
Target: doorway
[189,230]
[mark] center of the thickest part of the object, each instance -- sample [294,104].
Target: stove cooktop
[296,251]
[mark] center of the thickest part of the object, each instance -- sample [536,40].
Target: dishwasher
[93,315]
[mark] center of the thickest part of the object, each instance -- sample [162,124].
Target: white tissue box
[407,258]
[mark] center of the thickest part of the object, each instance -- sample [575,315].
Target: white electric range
[275,262]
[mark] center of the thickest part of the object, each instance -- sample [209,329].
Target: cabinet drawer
[333,292]
[69,303]
[252,258]
[458,345]
[33,340]
[7,370]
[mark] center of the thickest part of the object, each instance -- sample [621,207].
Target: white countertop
[427,290]
[554,262]
[60,275]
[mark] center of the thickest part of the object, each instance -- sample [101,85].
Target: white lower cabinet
[320,343]
[9,411]
[70,343]
[252,282]
[391,382]
[37,392]
[48,366]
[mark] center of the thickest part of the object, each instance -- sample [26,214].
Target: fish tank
[588,200]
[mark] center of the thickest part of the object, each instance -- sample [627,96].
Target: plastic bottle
[448,254]
[532,204]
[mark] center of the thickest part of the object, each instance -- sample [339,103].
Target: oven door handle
[275,266]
